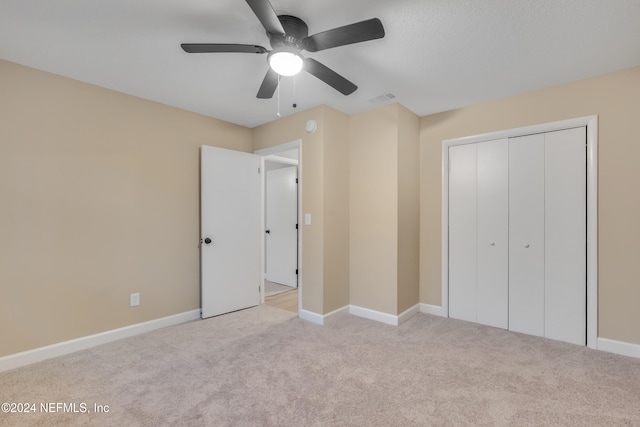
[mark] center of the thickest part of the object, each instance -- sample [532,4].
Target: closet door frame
[591,123]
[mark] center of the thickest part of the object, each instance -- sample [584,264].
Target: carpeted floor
[266,367]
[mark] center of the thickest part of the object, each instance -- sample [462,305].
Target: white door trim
[264,154]
[591,122]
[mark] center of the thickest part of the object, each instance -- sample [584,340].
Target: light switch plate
[134,300]
[307,219]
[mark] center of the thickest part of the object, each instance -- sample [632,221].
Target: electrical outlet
[134,299]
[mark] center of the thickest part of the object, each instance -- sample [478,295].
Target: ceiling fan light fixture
[285,63]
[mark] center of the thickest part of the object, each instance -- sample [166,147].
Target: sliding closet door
[493,233]
[565,235]
[526,234]
[462,231]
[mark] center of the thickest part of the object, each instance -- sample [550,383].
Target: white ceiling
[437,54]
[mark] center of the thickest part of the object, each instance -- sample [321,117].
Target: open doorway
[281,237]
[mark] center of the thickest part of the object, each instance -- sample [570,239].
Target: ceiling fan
[288,36]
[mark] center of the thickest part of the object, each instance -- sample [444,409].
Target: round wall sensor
[311,126]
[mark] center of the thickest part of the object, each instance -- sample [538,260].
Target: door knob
[268,231]
[207,241]
[526,245]
[492,243]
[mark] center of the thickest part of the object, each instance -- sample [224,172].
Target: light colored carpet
[265,367]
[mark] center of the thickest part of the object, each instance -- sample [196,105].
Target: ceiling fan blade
[269,85]
[219,47]
[363,31]
[329,76]
[267,16]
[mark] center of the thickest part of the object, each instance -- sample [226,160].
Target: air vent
[383,98]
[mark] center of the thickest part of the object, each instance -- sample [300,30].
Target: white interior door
[463,232]
[493,233]
[565,235]
[281,226]
[526,234]
[230,227]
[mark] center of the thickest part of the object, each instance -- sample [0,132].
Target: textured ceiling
[437,54]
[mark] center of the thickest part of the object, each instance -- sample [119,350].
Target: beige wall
[325,245]
[373,228]
[336,210]
[408,209]
[615,99]
[384,200]
[360,184]
[99,198]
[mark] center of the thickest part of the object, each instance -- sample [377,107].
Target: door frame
[264,154]
[591,123]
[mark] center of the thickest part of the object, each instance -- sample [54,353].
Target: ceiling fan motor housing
[295,31]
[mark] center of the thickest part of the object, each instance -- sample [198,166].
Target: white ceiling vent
[383,98]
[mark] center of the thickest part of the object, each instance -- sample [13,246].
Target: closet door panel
[565,235]
[493,234]
[526,234]
[462,232]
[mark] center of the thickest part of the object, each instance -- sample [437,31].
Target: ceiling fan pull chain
[278,113]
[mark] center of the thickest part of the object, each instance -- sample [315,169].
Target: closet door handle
[492,243]
[526,245]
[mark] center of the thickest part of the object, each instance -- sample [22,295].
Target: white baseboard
[379,316]
[408,314]
[321,319]
[618,347]
[60,349]
[310,316]
[436,310]
[332,315]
